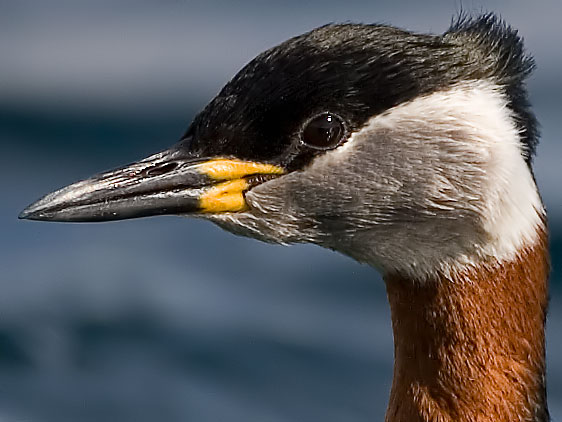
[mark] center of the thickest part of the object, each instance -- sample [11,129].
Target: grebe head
[410,152]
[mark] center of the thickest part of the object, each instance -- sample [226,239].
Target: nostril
[160,169]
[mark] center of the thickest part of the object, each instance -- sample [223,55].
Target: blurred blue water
[173,319]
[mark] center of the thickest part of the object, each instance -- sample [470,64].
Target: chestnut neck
[471,346]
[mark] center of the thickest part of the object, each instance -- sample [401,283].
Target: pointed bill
[164,183]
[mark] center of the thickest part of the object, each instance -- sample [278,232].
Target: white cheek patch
[463,148]
[513,210]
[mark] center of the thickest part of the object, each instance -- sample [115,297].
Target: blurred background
[172,319]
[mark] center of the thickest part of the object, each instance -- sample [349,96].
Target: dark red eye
[325,131]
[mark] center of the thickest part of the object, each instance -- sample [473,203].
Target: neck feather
[470,346]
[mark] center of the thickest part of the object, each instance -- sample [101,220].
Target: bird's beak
[164,183]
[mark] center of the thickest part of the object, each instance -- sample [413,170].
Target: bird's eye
[325,131]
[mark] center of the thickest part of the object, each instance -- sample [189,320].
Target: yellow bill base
[229,195]
[225,197]
[228,169]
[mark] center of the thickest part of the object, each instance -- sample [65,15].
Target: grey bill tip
[165,183]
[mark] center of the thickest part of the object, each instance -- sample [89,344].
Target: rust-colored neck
[470,347]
